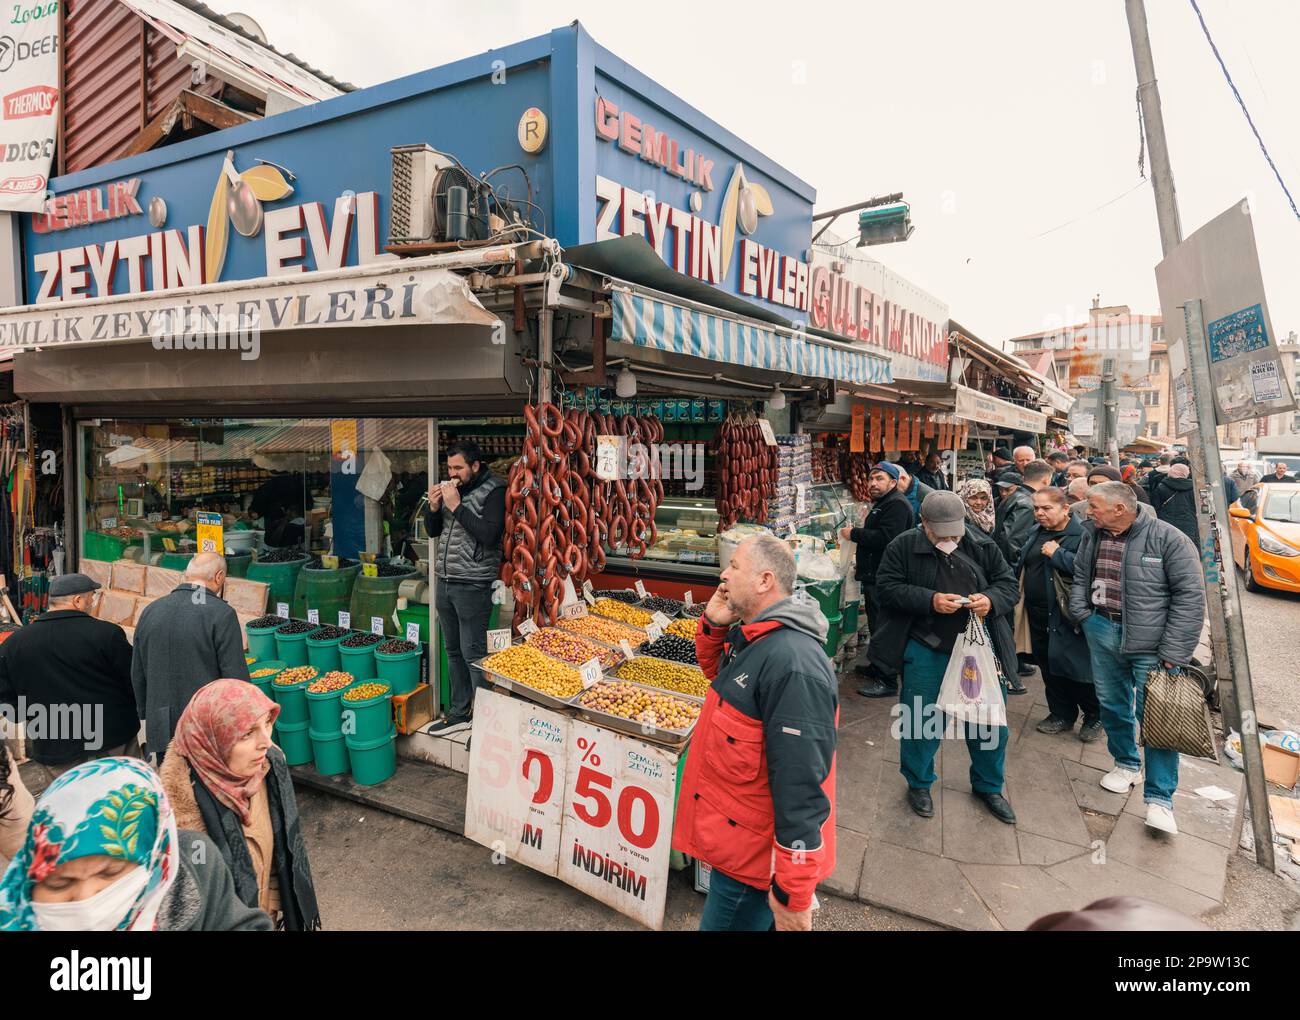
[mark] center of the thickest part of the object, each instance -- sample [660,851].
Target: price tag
[370,569]
[329,563]
[413,633]
[765,426]
[282,610]
[591,599]
[794,529]
[209,532]
[690,599]
[345,619]
[154,518]
[800,498]
[498,640]
[169,544]
[376,625]
[366,557]
[573,612]
[662,620]
[313,616]
[640,590]
[591,672]
[110,522]
[653,632]
[626,648]
[570,595]
[526,628]
[587,589]
[611,457]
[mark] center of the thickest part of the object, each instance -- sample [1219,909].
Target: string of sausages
[560,515]
[855,468]
[746,472]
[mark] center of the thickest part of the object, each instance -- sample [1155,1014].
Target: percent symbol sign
[588,749]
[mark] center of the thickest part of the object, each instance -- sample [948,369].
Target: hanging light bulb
[625,384]
[776,399]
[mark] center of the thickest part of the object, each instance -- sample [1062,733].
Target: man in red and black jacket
[757,800]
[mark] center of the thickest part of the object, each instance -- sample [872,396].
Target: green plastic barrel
[265,683]
[237,564]
[369,719]
[373,760]
[295,742]
[282,577]
[357,661]
[833,635]
[330,750]
[377,596]
[326,591]
[325,710]
[261,641]
[849,620]
[292,699]
[401,671]
[324,655]
[827,594]
[417,614]
[292,648]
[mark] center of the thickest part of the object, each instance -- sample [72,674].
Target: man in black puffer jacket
[1176,503]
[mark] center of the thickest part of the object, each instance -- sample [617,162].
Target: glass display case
[686,544]
[832,507]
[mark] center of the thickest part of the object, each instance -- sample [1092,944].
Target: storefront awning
[651,321]
[985,410]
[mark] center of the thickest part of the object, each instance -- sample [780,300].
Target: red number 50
[592,784]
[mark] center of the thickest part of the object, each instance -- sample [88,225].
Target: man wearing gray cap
[929,582]
[68,676]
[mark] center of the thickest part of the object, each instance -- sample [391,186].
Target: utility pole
[1223,597]
[1109,413]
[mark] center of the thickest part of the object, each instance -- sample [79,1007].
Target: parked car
[1266,537]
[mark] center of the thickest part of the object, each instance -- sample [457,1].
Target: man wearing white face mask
[929,582]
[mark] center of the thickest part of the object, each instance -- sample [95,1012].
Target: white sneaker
[1160,817]
[1120,779]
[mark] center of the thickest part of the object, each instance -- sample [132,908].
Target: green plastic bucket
[377,596]
[325,710]
[357,661]
[401,671]
[280,576]
[827,594]
[292,699]
[369,719]
[417,613]
[295,742]
[265,683]
[292,648]
[237,564]
[849,620]
[261,642]
[324,655]
[175,560]
[326,591]
[374,760]
[331,753]
[833,635]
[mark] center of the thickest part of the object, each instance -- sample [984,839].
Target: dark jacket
[1272,477]
[183,641]
[1067,648]
[934,479]
[905,588]
[68,658]
[469,538]
[757,798]
[1162,589]
[1012,524]
[889,518]
[202,898]
[916,495]
[1175,503]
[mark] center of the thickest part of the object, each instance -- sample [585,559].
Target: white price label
[591,599]
[376,625]
[690,599]
[626,647]
[526,628]
[640,590]
[587,589]
[345,619]
[573,612]
[110,522]
[498,640]
[800,498]
[313,616]
[611,456]
[413,633]
[662,620]
[591,672]
[653,632]
[282,610]
[154,518]
[765,426]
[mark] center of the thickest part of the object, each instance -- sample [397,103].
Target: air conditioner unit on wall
[415,170]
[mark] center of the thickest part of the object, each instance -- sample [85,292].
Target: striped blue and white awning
[665,326]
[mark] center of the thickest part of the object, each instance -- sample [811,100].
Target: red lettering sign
[37,101]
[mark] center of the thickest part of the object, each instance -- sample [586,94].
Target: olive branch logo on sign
[237,201]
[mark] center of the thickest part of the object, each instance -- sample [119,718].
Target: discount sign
[516,780]
[618,813]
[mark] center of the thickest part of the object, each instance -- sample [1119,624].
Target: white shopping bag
[970,691]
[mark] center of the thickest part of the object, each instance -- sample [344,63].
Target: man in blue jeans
[467,515]
[1139,591]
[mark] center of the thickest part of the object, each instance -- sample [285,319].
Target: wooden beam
[187,106]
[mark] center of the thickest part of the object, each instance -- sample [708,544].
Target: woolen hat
[887,468]
[945,514]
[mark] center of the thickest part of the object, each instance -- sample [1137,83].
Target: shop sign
[978,407]
[29,79]
[209,532]
[517,764]
[90,205]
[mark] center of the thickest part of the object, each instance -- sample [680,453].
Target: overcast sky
[1000,121]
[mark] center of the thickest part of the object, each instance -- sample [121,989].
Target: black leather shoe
[999,806]
[446,724]
[1054,724]
[878,689]
[921,802]
[1025,670]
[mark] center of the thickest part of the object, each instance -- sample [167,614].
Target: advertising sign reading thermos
[29,92]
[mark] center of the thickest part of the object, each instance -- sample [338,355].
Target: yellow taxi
[1266,536]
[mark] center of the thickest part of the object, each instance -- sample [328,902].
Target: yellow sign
[169,544]
[532,130]
[329,563]
[370,570]
[343,437]
[209,532]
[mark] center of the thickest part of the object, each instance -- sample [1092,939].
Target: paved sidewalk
[1073,843]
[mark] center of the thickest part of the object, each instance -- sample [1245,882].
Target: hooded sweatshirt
[1175,502]
[757,800]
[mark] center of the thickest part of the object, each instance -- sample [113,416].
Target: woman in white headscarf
[977,495]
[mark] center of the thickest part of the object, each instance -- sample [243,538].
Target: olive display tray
[523,689]
[602,644]
[675,615]
[609,675]
[631,726]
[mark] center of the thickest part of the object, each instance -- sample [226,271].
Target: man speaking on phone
[467,515]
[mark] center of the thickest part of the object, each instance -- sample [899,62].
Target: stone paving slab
[1060,745]
[1086,783]
[1095,755]
[922,885]
[896,823]
[850,849]
[1188,861]
[1018,895]
[1216,821]
[1044,852]
[858,771]
[1115,878]
[1043,798]
[972,835]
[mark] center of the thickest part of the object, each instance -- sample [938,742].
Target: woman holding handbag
[1058,645]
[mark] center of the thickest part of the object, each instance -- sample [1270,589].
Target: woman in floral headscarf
[977,494]
[230,782]
[103,854]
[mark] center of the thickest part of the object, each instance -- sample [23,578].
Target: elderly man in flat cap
[67,675]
